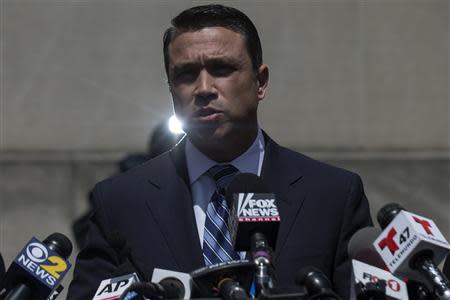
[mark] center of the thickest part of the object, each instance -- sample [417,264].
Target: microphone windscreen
[59,243]
[118,242]
[316,282]
[387,213]
[361,247]
[173,288]
[304,273]
[247,183]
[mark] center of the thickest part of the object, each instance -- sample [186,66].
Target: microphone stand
[261,256]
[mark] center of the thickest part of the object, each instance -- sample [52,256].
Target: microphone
[224,279]
[113,288]
[126,278]
[387,213]
[252,209]
[360,247]
[168,288]
[316,283]
[231,290]
[184,290]
[412,246]
[369,269]
[38,269]
[371,290]
[368,276]
[254,221]
[139,291]
[118,242]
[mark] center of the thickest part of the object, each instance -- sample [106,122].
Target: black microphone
[126,274]
[209,280]
[370,280]
[185,291]
[232,290]
[412,246]
[360,247]
[254,221]
[113,287]
[119,243]
[38,269]
[140,291]
[253,209]
[371,290]
[316,283]
[169,288]
[165,284]
[387,213]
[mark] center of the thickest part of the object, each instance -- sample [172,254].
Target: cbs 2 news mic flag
[406,235]
[113,288]
[42,263]
[364,273]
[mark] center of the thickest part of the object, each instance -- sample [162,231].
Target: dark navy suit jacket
[320,208]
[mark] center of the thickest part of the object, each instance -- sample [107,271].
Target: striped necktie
[217,245]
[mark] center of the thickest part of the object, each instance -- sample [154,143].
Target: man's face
[214,88]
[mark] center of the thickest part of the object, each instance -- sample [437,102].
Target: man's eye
[222,70]
[185,76]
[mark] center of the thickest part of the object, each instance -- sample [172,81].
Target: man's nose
[205,90]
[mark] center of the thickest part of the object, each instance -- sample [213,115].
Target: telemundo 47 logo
[43,263]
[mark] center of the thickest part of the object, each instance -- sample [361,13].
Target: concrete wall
[362,84]
[358,75]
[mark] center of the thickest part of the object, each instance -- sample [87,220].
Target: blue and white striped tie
[216,238]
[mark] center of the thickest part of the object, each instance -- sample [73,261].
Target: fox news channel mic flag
[406,235]
[253,211]
[42,264]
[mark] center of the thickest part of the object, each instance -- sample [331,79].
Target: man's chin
[213,138]
[211,135]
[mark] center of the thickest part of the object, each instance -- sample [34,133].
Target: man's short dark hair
[212,15]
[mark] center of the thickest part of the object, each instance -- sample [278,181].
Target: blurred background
[361,84]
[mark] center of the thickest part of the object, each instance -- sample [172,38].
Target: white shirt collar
[248,162]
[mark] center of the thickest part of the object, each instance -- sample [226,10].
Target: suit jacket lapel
[283,177]
[174,213]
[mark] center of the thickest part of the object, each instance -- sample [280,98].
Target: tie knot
[222,175]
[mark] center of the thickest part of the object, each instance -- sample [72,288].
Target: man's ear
[262,80]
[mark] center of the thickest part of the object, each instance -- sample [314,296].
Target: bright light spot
[175,125]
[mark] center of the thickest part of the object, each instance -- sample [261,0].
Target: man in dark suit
[168,207]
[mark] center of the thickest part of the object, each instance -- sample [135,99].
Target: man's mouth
[206,115]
